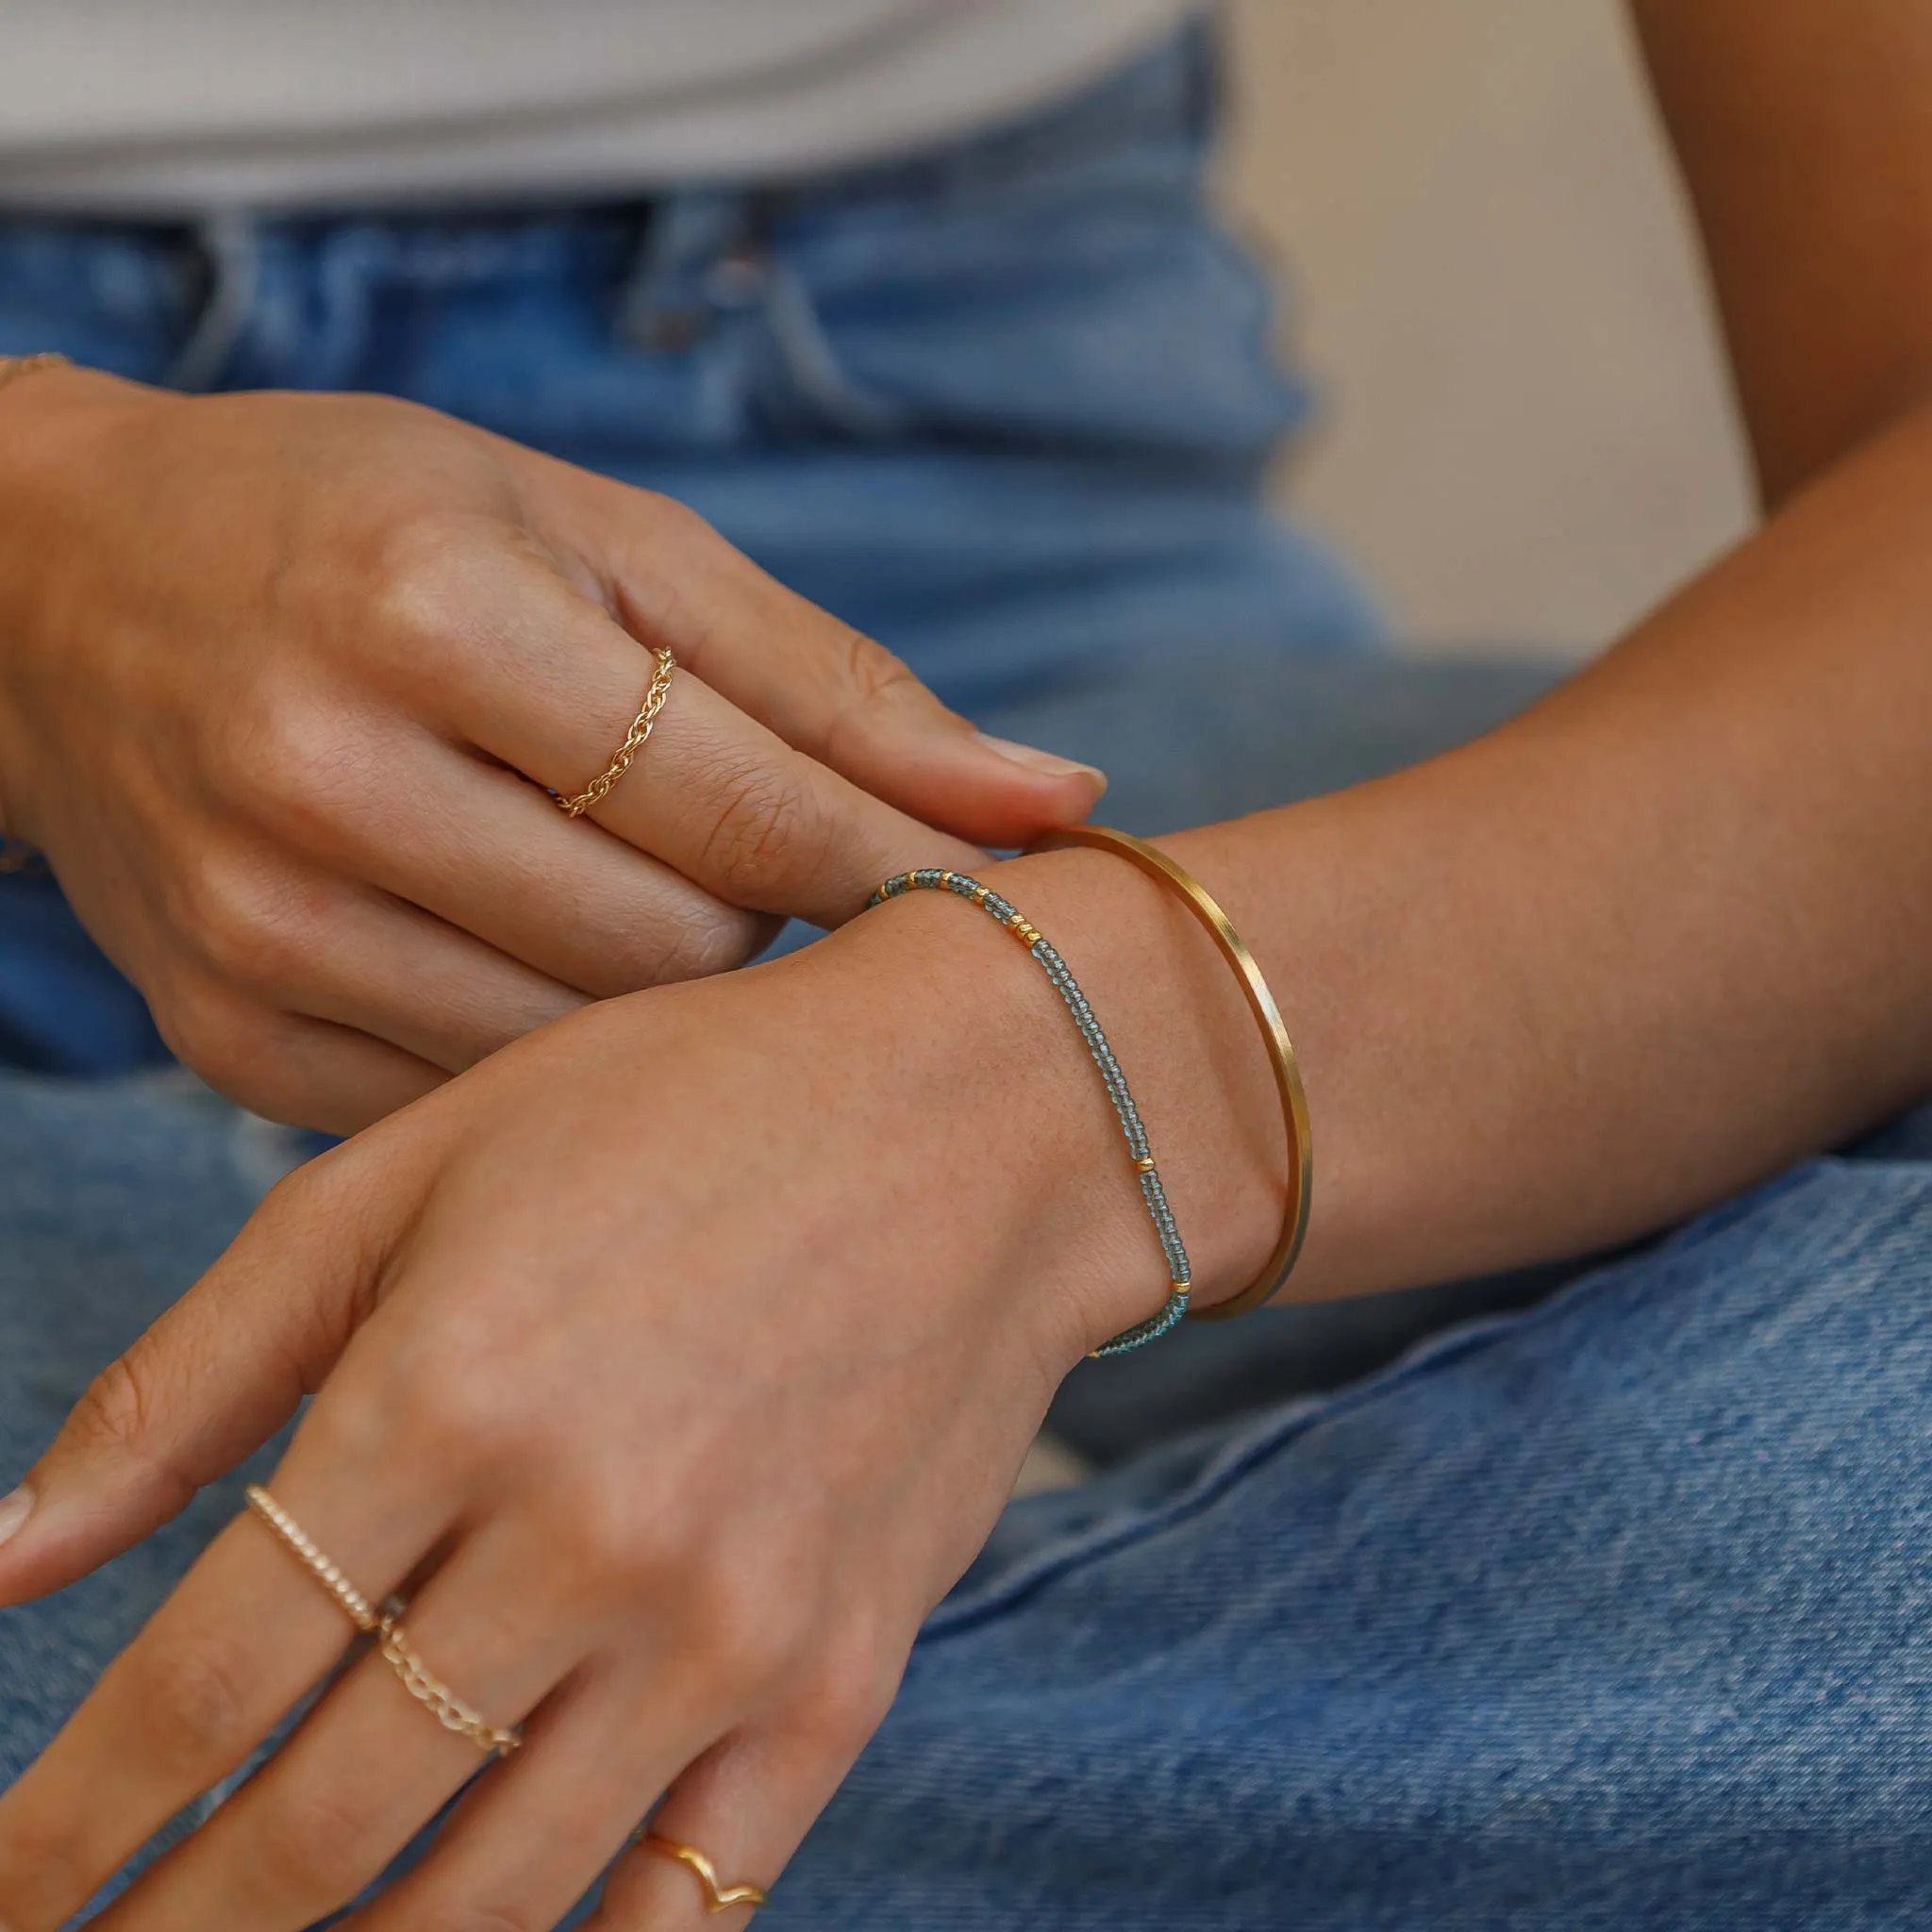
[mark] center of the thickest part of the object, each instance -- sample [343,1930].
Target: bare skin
[804,1249]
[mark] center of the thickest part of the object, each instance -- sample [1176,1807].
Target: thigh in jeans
[1606,1615]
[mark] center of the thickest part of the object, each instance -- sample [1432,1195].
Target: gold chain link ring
[634,740]
[442,1704]
[393,1642]
[13,367]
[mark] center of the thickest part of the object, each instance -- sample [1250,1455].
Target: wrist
[55,425]
[1174,1017]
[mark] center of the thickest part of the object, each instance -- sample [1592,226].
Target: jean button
[674,332]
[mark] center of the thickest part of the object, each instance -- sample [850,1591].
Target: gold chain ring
[413,1674]
[442,1704]
[635,739]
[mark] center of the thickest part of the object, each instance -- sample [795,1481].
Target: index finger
[244,1638]
[714,795]
[740,813]
[825,688]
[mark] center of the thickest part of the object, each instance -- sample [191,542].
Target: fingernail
[15,1511]
[1037,760]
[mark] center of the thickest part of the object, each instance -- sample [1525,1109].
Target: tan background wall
[1528,438]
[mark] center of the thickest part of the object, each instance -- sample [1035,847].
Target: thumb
[887,733]
[831,691]
[207,1385]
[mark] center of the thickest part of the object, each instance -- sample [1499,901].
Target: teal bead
[1059,974]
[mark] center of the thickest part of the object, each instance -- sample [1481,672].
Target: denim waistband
[1170,95]
[659,247]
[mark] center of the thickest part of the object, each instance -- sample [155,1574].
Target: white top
[172,106]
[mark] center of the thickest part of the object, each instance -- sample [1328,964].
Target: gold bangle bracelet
[1287,1075]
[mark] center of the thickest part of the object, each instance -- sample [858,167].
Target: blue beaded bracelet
[930,879]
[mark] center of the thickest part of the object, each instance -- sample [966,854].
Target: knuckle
[768,834]
[320,1849]
[741,1636]
[259,946]
[708,938]
[47,1865]
[113,1422]
[870,670]
[848,1697]
[673,521]
[459,1915]
[603,1540]
[229,1046]
[301,1197]
[419,560]
[189,1709]
[451,1413]
[352,1423]
[296,759]
[877,686]
[114,1410]
[198,1039]
[425,622]
[250,929]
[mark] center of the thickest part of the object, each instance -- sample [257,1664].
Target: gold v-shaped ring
[718,1898]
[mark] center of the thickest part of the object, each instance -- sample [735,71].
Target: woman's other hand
[675,1362]
[284,679]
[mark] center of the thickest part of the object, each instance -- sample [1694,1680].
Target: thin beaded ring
[932,880]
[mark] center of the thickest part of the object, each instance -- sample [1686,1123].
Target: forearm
[1660,936]
[1802,133]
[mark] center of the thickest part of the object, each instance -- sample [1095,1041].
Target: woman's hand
[282,680]
[675,1362]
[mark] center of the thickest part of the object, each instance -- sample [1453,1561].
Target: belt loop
[813,366]
[664,304]
[1205,54]
[229,245]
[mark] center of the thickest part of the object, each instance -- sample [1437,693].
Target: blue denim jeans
[1603,1612]
[1610,1614]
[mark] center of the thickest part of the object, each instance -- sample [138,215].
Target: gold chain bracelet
[13,367]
